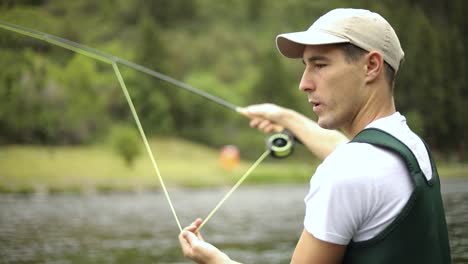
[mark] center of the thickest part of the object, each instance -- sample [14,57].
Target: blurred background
[66,129]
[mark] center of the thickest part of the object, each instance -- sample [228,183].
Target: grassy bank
[96,168]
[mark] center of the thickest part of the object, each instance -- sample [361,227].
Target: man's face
[334,86]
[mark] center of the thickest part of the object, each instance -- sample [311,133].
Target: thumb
[243,111]
[258,110]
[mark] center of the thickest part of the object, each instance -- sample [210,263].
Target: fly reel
[281,144]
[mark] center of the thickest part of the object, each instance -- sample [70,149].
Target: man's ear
[374,65]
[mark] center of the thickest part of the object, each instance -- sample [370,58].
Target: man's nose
[307,84]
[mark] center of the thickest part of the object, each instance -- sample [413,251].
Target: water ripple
[258,224]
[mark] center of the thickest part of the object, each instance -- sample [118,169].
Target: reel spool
[281,144]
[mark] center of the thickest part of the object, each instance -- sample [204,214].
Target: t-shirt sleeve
[339,199]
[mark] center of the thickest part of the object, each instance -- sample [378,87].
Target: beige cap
[363,28]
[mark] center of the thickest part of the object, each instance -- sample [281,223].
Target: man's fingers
[193,226]
[269,128]
[197,222]
[263,117]
[254,122]
[253,111]
[264,124]
[189,237]
[192,229]
[185,244]
[277,128]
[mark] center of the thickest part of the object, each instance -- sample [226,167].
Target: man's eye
[320,65]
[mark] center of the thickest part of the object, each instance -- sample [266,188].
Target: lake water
[258,224]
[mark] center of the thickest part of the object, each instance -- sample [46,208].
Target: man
[377,198]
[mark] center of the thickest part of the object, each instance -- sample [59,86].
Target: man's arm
[272,118]
[311,250]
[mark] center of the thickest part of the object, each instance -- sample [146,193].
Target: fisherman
[375,199]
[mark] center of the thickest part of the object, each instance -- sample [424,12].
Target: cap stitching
[387,39]
[386,45]
[334,34]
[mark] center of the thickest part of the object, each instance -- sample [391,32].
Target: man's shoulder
[359,161]
[357,152]
[396,126]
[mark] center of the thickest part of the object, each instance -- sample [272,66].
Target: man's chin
[324,124]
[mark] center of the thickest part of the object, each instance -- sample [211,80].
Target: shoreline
[96,169]
[451,184]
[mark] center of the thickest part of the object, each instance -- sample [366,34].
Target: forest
[51,96]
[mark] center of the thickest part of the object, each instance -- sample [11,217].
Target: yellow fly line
[113,60]
[247,173]
[145,140]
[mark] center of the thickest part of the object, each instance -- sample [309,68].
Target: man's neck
[378,106]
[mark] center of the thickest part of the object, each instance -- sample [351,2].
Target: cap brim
[292,45]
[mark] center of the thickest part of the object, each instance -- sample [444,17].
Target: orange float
[229,157]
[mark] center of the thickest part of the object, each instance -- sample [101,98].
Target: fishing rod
[279,145]
[110,59]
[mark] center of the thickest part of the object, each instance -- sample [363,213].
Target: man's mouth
[314,103]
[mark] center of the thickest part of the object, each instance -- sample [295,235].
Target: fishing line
[145,140]
[246,174]
[276,147]
[113,60]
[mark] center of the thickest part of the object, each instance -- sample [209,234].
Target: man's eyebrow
[315,58]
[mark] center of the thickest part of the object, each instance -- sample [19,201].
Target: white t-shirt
[359,189]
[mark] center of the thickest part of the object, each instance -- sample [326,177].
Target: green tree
[126,143]
[273,85]
[153,97]
[44,89]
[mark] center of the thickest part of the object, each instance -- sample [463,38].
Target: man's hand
[272,118]
[265,117]
[196,249]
